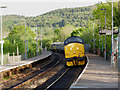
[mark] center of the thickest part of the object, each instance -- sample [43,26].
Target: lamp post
[99,34]
[105,35]
[25,41]
[1,37]
[112,56]
[118,61]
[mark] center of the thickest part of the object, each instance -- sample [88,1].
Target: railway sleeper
[21,69]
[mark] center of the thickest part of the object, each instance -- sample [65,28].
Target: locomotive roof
[73,39]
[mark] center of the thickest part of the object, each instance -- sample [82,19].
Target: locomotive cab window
[79,40]
[73,39]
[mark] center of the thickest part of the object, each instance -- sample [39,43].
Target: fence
[15,57]
[5,59]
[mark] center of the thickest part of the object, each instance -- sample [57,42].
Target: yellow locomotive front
[74,51]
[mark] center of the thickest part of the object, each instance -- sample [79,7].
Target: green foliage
[46,43]
[7,77]
[17,38]
[77,32]
[63,33]
[57,25]
[62,19]
[100,14]
[76,17]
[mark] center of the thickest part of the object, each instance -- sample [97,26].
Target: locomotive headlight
[74,52]
[77,47]
[70,48]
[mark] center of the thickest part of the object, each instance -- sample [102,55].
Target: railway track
[17,82]
[62,80]
[28,73]
[66,79]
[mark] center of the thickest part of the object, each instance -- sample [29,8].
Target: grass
[6,78]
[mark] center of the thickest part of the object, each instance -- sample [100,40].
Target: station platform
[8,67]
[98,74]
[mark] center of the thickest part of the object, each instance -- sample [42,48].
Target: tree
[17,38]
[98,13]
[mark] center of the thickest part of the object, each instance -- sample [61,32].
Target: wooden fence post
[17,51]
[8,58]
[13,57]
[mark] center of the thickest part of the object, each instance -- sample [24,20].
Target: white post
[1,43]
[13,57]
[1,37]
[17,51]
[8,58]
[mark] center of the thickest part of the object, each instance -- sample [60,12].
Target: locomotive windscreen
[74,39]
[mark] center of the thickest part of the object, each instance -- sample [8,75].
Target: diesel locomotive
[73,48]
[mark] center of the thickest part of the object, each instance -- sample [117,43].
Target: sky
[38,7]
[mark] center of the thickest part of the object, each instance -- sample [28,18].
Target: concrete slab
[98,74]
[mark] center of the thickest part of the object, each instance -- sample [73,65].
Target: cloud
[51,0]
[38,8]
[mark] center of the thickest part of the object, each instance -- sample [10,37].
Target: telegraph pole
[41,40]
[25,41]
[37,40]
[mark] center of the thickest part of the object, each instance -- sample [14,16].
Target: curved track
[63,79]
[33,74]
[66,79]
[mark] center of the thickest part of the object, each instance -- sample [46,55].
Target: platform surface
[24,62]
[98,74]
